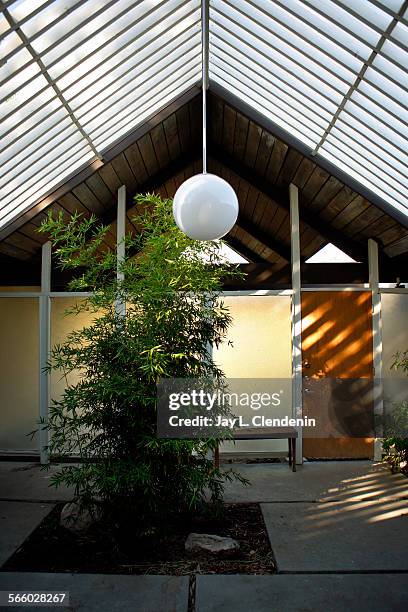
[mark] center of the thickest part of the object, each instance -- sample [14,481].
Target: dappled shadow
[337,345]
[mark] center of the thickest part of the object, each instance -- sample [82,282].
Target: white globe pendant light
[205,207]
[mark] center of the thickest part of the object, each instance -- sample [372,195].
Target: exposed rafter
[159,179]
[352,248]
[329,78]
[244,250]
[263,238]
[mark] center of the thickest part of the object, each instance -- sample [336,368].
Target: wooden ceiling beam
[264,238]
[281,197]
[243,250]
[158,180]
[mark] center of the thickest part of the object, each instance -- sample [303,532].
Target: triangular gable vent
[330,254]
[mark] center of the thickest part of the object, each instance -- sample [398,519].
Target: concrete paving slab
[302,593]
[22,481]
[330,480]
[17,521]
[339,536]
[102,592]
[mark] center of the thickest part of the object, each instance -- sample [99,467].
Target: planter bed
[53,548]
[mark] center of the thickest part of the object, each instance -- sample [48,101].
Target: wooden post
[297,403]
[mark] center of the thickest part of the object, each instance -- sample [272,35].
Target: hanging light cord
[204,51]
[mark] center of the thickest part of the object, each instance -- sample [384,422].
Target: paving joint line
[340,572]
[320,501]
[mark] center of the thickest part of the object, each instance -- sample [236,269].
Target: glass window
[18,205]
[373,121]
[37,148]
[383,99]
[31,125]
[395,52]
[320,108]
[265,87]
[367,162]
[4,25]
[128,47]
[373,136]
[380,113]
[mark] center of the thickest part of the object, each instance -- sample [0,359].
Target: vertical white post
[120,304]
[44,348]
[374,278]
[210,350]
[296,317]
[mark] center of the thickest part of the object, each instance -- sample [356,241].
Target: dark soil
[53,548]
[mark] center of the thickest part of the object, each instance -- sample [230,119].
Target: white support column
[296,316]
[44,348]
[373,275]
[120,304]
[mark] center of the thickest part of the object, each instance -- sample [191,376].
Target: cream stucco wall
[19,364]
[261,349]
[62,323]
[19,394]
[395,338]
[394,328]
[261,336]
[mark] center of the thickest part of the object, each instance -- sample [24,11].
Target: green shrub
[396,453]
[394,446]
[173,314]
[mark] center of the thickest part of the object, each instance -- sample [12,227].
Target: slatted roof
[77,76]
[333,73]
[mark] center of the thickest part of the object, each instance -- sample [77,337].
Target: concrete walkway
[317,481]
[104,593]
[302,593]
[28,481]
[338,531]
[17,521]
[339,536]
